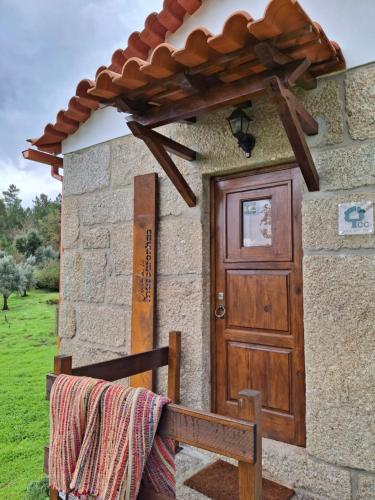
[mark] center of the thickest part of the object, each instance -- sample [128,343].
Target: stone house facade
[338,461]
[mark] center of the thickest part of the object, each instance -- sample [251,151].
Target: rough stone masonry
[339,272]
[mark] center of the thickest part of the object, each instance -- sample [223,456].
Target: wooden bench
[233,438]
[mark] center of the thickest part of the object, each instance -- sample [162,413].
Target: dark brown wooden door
[257,299]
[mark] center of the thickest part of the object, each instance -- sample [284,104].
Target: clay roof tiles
[148,60]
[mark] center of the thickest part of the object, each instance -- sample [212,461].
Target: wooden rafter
[158,145]
[276,83]
[40,157]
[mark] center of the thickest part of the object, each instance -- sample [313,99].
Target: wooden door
[257,298]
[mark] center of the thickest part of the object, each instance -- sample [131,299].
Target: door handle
[220,312]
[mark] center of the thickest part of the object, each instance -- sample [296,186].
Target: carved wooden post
[144,271]
[250,475]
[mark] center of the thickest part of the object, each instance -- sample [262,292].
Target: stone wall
[339,272]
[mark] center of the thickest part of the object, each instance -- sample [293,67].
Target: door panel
[258,340]
[247,366]
[257,300]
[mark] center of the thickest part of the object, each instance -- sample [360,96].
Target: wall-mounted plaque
[356,218]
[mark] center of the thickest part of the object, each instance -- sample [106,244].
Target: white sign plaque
[356,218]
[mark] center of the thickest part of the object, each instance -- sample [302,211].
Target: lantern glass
[239,122]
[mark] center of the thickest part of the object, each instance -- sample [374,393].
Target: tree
[15,214]
[27,277]
[10,279]
[28,245]
[44,254]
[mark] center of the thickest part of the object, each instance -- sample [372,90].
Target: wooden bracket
[295,120]
[158,144]
[273,58]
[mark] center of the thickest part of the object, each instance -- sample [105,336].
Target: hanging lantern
[239,123]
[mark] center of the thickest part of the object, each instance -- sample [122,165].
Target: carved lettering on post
[144,270]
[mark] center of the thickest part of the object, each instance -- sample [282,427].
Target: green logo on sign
[355,215]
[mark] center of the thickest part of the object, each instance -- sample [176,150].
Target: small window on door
[257,223]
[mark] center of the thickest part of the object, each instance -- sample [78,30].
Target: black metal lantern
[239,123]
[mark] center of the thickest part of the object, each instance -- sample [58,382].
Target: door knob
[220,312]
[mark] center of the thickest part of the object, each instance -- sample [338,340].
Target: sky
[47,47]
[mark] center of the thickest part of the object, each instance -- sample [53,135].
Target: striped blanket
[104,443]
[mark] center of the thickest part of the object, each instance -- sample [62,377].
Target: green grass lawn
[27,346]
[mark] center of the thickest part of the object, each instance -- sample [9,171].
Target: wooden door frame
[297,198]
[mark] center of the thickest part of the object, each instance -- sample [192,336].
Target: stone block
[180,246]
[171,201]
[70,222]
[129,157]
[360,102]
[339,294]
[105,325]
[119,290]
[97,237]
[325,105]
[122,249]
[365,487]
[179,307]
[87,170]
[293,467]
[320,222]
[85,353]
[107,207]
[67,320]
[346,167]
[83,276]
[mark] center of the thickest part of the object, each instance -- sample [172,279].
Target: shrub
[47,276]
[38,490]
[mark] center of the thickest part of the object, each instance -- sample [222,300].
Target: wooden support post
[290,118]
[144,270]
[62,364]
[250,475]
[157,148]
[174,364]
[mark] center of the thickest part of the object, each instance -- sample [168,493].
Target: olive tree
[27,277]
[10,278]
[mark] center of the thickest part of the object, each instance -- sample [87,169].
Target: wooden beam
[118,368]
[170,145]
[273,58]
[221,96]
[225,95]
[165,161]
[143,329]
[40,157]
[288,115]
[209,431]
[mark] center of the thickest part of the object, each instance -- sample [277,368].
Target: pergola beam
[158,144]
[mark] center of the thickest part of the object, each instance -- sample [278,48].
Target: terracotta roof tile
[136,74]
